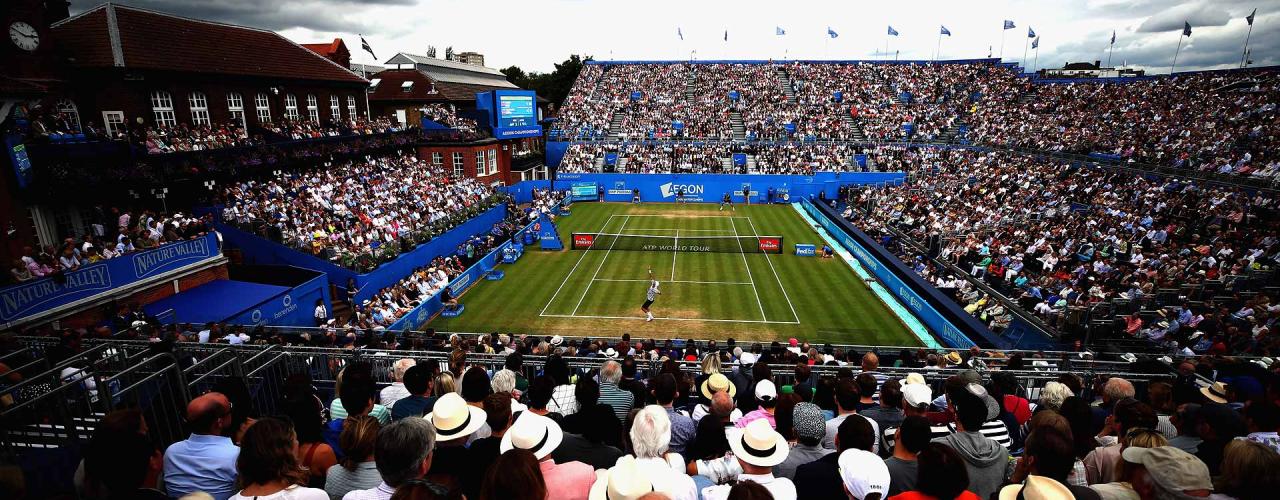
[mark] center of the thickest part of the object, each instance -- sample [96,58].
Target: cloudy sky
[535,34]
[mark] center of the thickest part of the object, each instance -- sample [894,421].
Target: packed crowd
[185,137]
[445,115]
[358,213]
[112,233]
[635,425]
[666,157]
[1055,236]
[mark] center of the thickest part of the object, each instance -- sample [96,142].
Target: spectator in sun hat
[541,436]
[454,421]
[1216,392]
[766,396]
[809,429]
[758,449]
[1168,472]
[623,481]
[717,382]
[864,475]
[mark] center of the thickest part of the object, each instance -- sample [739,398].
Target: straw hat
[623,481]
[1216,392]
[533,432]
[717,382]
[453,418]
[758,444]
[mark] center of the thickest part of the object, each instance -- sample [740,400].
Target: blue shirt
[201,463]
[682,431]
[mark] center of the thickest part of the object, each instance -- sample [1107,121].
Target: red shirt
[916,495]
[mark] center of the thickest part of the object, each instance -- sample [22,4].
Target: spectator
[1052,395]
[359,470]
[419,402]
[356,392]
[403,453]
[846,405]
[1167,472]
[711,460]
[483,451]
[888,413]
[1049,455]
[758,449]
[541,436]
[821,478]
[122,466]
[268,467]
[454,422]
[1128,414]
[394,392]
[1217,425]
[864,475]
[516,475]
[1186,421]
[505,381]
[867,385]
[766,397]
[1263,420]
[715,383]
[362,372]
[540,391]
[985,459]
[911,437]
[610,394]
[598,445]
[562,398]
[809,430]
[306,412]
[1249,471]
[943,475]
[623,481]
[650,437]
[205,461]
[665,391]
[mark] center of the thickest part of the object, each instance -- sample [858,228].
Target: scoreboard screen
[516,111]
[584,191]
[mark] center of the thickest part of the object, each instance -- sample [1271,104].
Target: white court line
[743,252]
[775,274]
[583,316]
[675,249]
[681,281]
[687,216]
[602,261]
[575,267]
[685,230]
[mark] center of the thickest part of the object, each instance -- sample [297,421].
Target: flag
[1186,29]
[893,32]
[779,31]
[1030,32]
[726,35]
[946,31]
[832,33]
[1250,18]
[365,45]
[1009,24]
[1035,44]
[1113,37]
[680,33]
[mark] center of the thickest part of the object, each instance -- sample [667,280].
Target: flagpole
[1245,55]
[1036,65]
[1002,33]
[1175,54]
[937,52]
[1111,51]
[1024,52]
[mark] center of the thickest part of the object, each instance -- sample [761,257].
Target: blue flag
[1186,29]
[1009,24]
[1035,44]
[946,31]
[832,33]
[779,31]
[1030,32]
[680,33]
[893,32]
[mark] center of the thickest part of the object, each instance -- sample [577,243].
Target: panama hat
[533,432]
[718,382]
[453,418]
[1216,392]
[623,481]
[953,358]
[1036,488]
[912,378]
[758,444]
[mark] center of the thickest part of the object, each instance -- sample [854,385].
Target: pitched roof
[324,49]
[391,88]
[445,71]
[118,36]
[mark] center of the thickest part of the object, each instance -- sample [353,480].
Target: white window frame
[291,107]
[480,168]
[235,107]
[335,110]
[459,169]
[162,108]
[199,104]
[313,108]
[114,122]
[437,158]
[351,107]
[263,105]
[69,108]
[493,161]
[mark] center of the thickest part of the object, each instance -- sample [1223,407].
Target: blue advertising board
[510,114]
[26,299]
[18,156]
[710,188]
[806,250]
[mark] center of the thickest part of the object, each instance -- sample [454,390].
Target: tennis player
[727,200]
[650,296]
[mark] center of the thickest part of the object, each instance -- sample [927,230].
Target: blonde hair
[711,363]
[1138,437]
[445,384]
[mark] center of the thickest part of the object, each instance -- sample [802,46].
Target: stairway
[689,95]
[739,128]
[855,130]
[615,126]
[784,80]
[622,164]
[599,164]
[752,167]
[726,165]
[954,132]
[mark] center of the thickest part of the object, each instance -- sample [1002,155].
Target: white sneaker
[649,318]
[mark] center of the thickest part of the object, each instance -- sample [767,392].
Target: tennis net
[672,243]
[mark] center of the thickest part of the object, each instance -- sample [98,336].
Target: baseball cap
[1174,469]
[766,390]
[864,474]
[917,395]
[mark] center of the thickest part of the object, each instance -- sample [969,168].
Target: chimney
[1097,64]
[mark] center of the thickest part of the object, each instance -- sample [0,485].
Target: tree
[553,86]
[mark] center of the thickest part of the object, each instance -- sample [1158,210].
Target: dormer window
[407,87]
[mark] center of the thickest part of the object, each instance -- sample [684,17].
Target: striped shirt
[992,429]
[621,401]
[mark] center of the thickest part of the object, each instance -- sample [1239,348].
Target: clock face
[24,36]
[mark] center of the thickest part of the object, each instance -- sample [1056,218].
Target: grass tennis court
[728,293]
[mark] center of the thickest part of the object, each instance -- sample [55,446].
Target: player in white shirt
[650,296]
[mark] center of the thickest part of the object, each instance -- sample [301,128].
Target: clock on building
[24,36]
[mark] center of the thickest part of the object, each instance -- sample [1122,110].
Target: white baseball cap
[864,474]
[917,395]
[766,390]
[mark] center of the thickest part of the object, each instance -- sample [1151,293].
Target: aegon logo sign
[670,189]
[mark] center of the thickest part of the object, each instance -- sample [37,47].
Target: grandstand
[871,279]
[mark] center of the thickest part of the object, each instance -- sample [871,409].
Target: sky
[536,34]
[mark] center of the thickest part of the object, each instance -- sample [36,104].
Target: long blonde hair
[444,384]
[711,363]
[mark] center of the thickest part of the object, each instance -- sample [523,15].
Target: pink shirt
[756,415]
[568,481]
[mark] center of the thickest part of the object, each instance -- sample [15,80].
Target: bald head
[206,414]
[1117,389]
[654,495]
[870,362]
[721,404]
